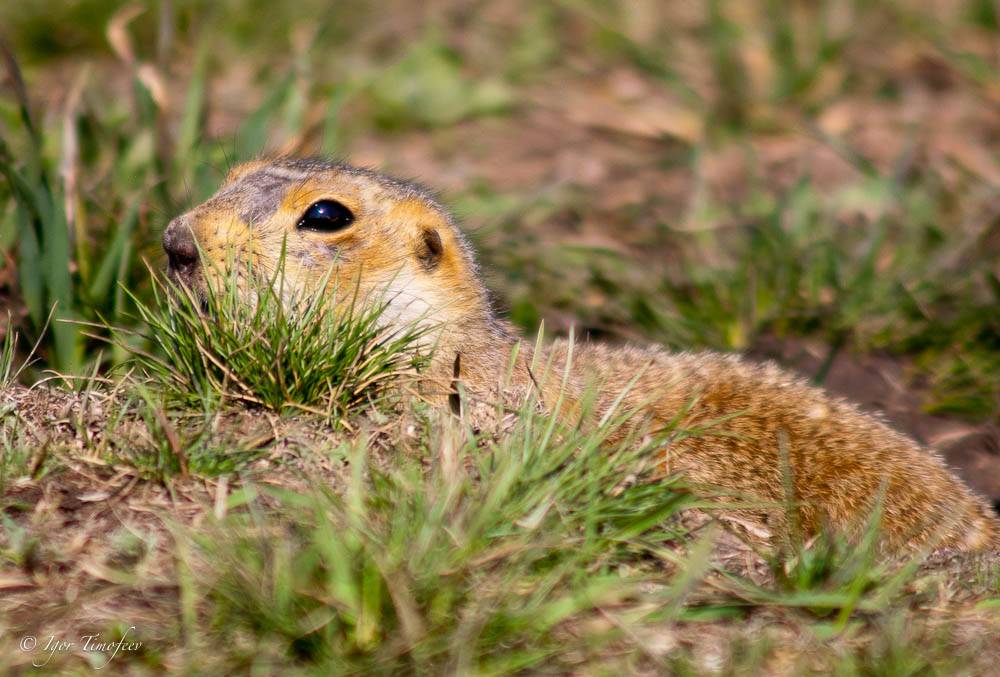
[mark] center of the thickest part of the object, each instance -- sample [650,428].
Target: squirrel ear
[430,248]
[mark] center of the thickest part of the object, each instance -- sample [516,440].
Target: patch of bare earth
[94,528]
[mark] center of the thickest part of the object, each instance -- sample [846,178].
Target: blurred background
[812,181]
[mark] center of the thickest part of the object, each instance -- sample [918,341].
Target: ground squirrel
[770,430]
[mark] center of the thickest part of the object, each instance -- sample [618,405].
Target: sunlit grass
[254,345]
[481,563]
[8,356]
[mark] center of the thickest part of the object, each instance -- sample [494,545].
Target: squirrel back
[761,433]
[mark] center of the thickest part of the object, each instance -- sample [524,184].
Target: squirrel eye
[326,216]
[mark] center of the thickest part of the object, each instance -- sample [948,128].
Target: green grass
[313,356]
[8,356]
[161,443]
[474,565]
[18,448]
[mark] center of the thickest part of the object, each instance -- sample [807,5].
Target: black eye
[326,216]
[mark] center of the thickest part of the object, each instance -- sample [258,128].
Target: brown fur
[765,430]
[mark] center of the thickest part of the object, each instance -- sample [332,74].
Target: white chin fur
[410,301]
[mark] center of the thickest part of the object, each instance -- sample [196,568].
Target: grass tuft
[487,562]
[306,354]
[8,356]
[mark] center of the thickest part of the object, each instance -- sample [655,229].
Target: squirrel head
[353,228]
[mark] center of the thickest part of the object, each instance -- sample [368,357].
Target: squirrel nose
[182,252]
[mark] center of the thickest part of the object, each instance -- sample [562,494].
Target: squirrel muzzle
[181,249]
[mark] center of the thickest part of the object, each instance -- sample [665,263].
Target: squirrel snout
[179,244]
